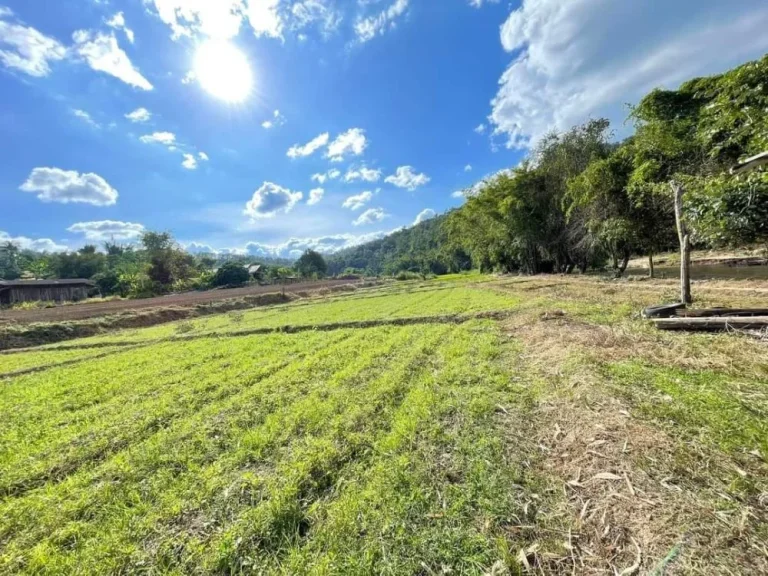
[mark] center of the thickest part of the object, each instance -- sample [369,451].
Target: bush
[231,274]
[405,275]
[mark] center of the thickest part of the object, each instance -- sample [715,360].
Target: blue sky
[124,115]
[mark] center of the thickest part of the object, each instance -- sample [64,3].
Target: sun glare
[223,71]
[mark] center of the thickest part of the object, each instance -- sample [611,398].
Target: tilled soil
[91,310]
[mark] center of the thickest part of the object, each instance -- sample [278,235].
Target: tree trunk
[624,263]
[685,245]
[651,268]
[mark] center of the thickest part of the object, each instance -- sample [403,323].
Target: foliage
[311,264]
[10,268]
[424,248]
[231,274]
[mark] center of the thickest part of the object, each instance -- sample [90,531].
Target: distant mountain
[423,248]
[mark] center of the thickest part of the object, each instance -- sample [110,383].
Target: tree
[311,264]
[231,274]
[9,261]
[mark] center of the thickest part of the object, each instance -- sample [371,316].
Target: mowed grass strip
[375,304]
[376,452]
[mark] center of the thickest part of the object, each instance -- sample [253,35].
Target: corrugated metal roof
[22,283]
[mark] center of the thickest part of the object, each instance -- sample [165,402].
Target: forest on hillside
[582,200]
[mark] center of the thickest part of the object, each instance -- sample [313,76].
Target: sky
[266,127]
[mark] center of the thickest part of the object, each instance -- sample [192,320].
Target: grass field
[558,435]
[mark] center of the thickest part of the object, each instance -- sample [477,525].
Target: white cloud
[103,54]
[85,117]
[270,199]
[203,156]
[332,174]
[165,138]
[424,215]
[309,148]
[118,23]
[265,19]
[468,168]
[107,230]
[35,244]
[139,115]
[190,162]
[370,216]
[588,57]
[479,3]
[480,129]
[372,26]
[362,173]
[352,142]
[358,200]
[198,248]
[65,186]
[308,12]
[214,18]
[315,196]
[293,247]
[26,49]
[405,177]
[276,120]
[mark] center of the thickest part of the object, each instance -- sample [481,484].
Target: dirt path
[86,310]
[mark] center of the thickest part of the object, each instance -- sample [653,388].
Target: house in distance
[17,291]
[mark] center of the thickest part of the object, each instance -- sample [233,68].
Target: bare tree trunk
[685,245]
[651,268]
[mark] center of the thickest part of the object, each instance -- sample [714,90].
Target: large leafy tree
[311,264]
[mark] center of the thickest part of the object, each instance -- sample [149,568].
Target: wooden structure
[16,291]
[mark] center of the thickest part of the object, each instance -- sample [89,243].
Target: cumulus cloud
[309,148]
[203,156]
[368,28]
[270,199]
[68,186]
[424,215]
[164,138]
[370,216]
[104,230]
[118,23]
[358,200]
[351,142]
[315,196]
[480,128]
[26,49]
[468,168]
[139,115]
[330,175]
[198,248]
[588,57]
[265,18]
[406,178]
[35,244]
[85,117]
[190,162]
[362,173]
[479,3]
[103,54]
[293,247]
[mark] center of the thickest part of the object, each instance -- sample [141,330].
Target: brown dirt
[92,310]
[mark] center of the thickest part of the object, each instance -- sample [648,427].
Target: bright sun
[223,70]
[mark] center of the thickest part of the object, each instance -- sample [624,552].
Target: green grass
[380,450]
[328,452]
[387,303]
